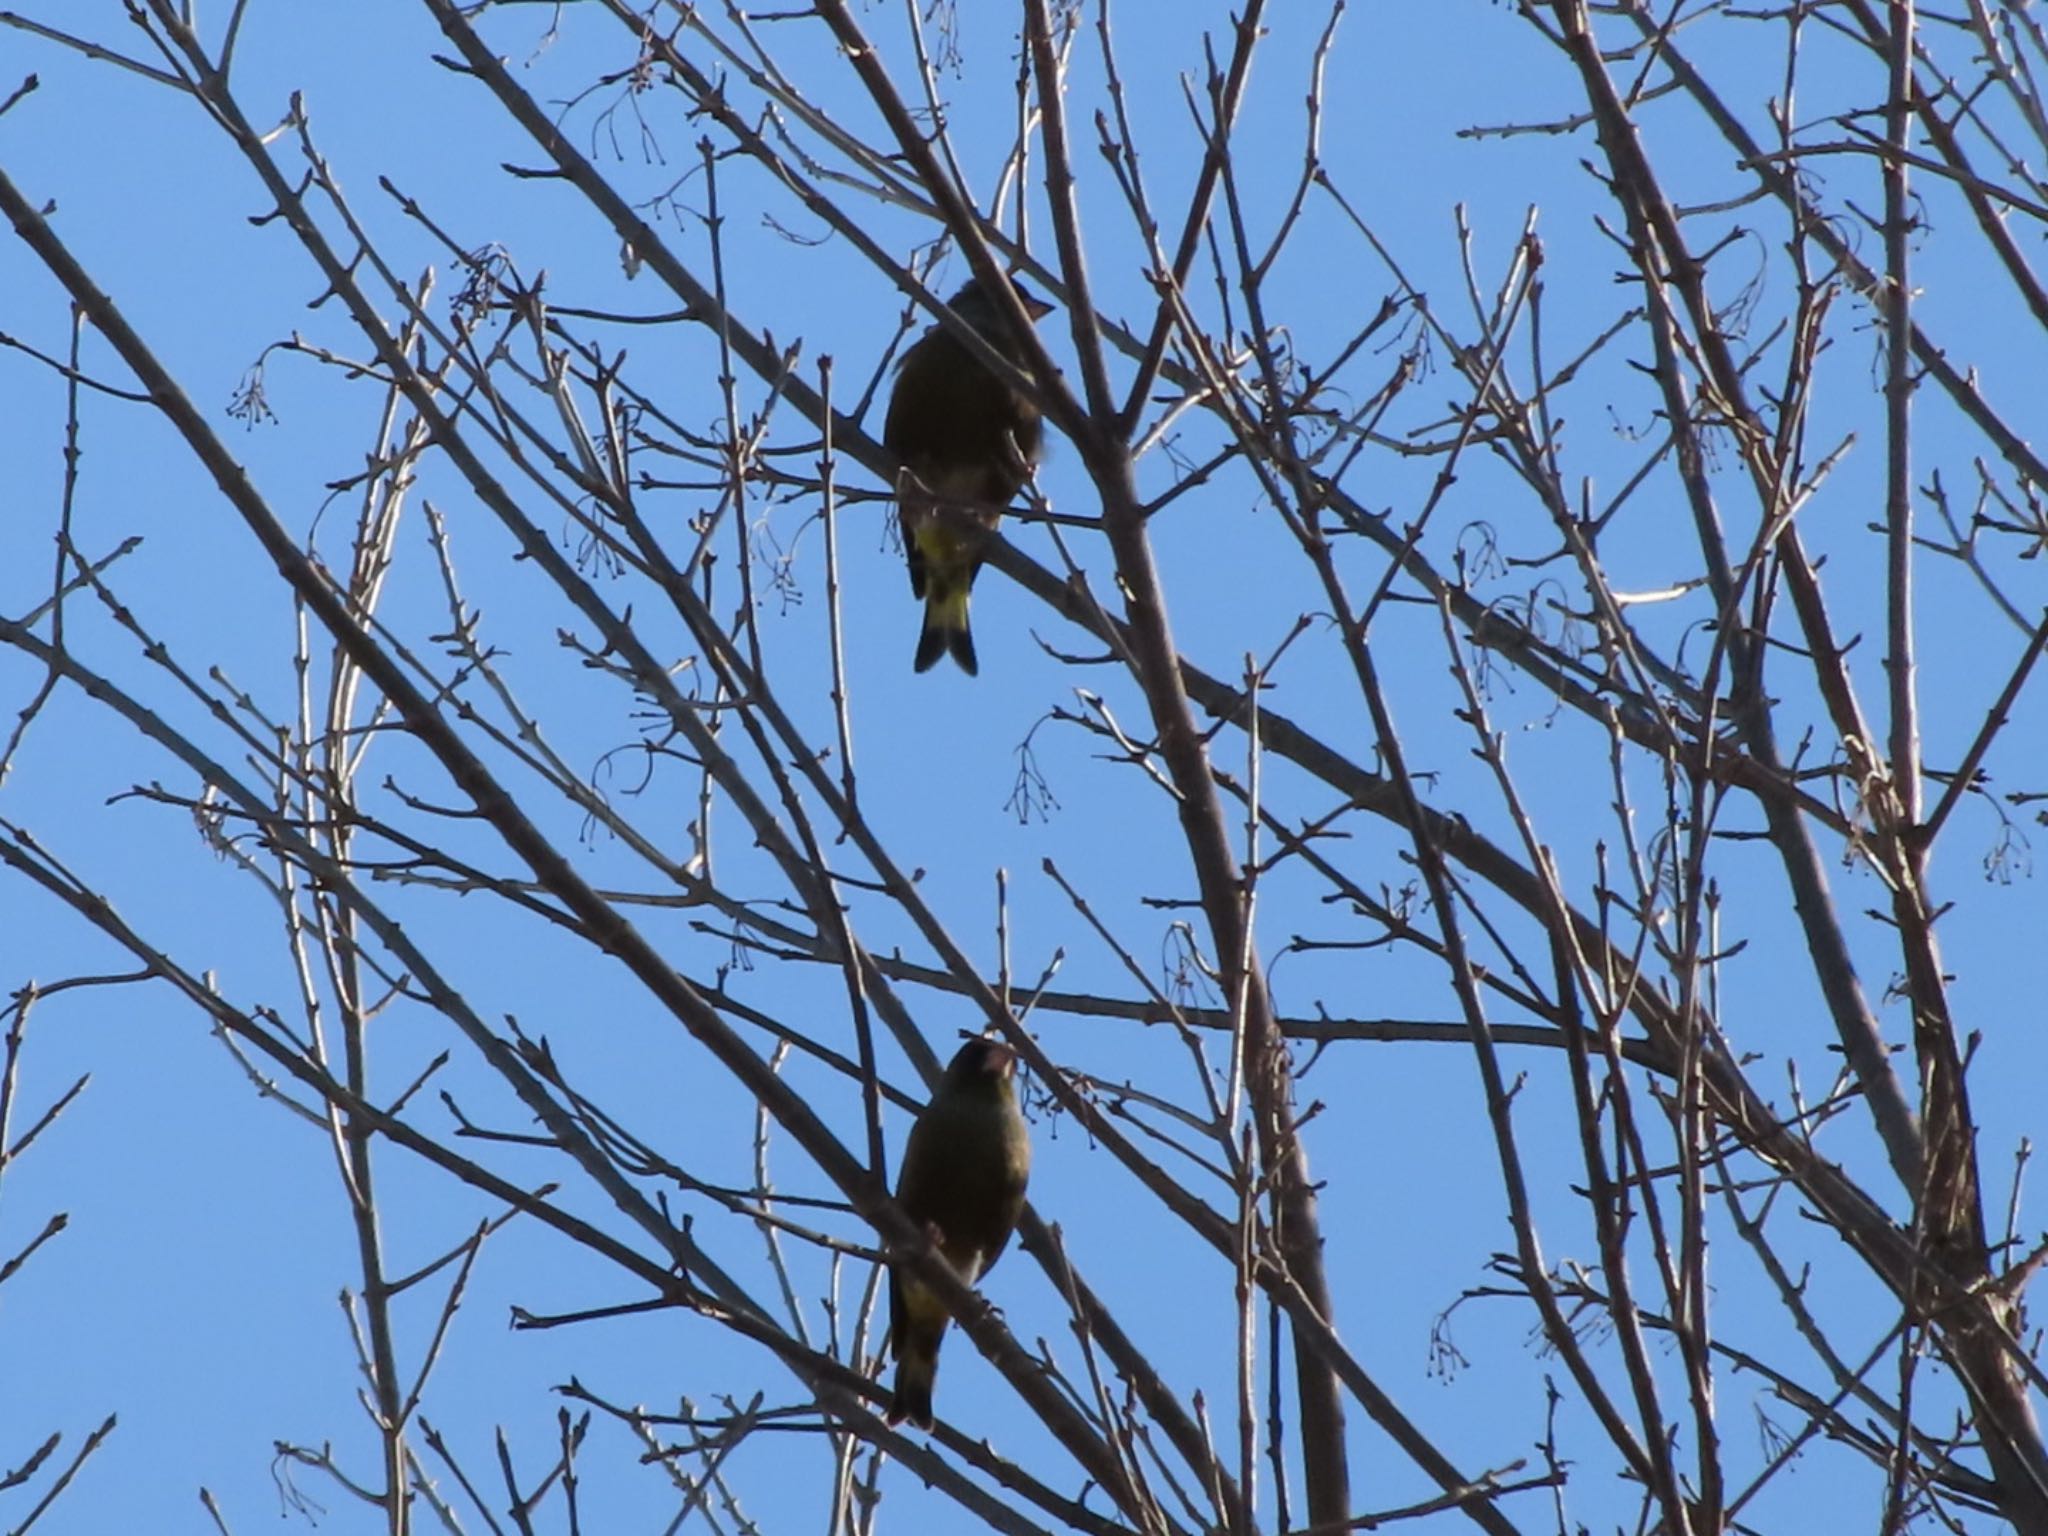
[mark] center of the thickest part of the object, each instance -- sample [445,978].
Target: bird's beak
[1034,306]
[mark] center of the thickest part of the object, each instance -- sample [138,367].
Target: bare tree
[1432,615]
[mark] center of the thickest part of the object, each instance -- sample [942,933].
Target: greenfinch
[966,442]
[962,1180]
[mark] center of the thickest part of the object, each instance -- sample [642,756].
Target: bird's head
[983,1066]
[974,304]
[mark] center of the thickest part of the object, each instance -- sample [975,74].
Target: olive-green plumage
[966,441]
[963,1175]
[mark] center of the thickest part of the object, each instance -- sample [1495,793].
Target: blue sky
[194,1291]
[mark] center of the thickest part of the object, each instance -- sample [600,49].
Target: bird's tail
[917,1369]
[945,625]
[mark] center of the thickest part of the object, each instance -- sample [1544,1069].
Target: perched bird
[966,441]
[962,1179]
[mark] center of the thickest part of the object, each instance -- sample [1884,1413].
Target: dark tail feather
[915,1373]
[961,644]
[945,631]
